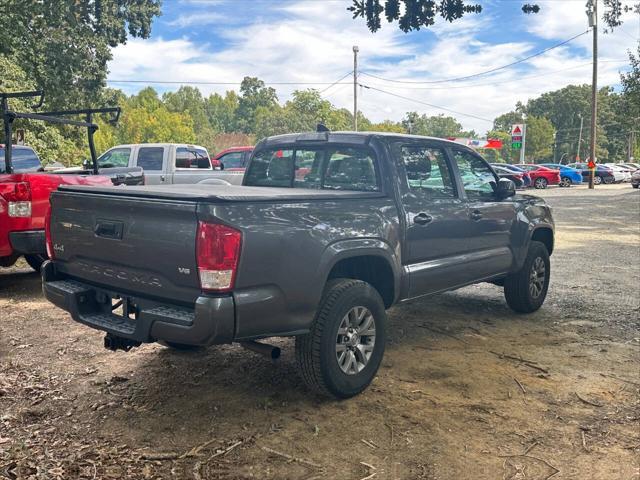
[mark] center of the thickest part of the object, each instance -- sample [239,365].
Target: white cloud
[312,41]
[197,18]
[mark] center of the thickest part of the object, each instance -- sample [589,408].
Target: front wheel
[635,185]
[526,289]
[597,180]
[35,261]
[341,354]
[610,180]
[541,183]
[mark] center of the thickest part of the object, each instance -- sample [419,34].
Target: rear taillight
[47,234]
[217,255]
[19,200]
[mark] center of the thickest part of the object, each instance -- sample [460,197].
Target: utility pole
[631,145]
[355,87]
[592,13]
[579,137]
[524,143]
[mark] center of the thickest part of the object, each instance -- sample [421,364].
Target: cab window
[116,157]
[427,171]
[150,158]
[187,158]
[478,180]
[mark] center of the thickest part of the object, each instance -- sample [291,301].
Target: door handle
[162,178]
[476,215]
[422,218]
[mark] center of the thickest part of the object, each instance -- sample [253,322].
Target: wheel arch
[544,235]
[372,261]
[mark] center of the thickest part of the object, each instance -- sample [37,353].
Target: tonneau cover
[221,193]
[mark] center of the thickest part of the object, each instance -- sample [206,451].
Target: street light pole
[355,87]
[592,13]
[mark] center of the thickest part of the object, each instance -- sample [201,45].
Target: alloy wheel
[355,340]
[537,277]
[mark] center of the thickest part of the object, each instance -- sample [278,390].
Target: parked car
[602,174]
[568,176]
[232,159]
[632,166]
[318,256]
[541,176]
[525,175]
[620,173]
[635,179]
[168,163]
[515,177]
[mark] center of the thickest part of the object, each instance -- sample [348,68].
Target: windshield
[116,157]
[23,160]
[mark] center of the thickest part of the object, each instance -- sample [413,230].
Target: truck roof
[188,145]
[346,136]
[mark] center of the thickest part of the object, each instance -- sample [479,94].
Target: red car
[542,176]
[233,159]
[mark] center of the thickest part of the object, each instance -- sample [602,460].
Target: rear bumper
[28,242]
[210,321]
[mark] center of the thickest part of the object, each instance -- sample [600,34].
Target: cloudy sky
[301,42]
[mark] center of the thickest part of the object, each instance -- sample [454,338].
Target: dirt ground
[467,390]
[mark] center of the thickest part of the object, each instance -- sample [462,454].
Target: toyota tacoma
[327,232]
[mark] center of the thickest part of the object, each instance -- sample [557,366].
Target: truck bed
[220,193]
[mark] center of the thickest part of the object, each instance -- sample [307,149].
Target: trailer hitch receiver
[115,343]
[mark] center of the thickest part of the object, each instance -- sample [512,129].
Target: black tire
[316,352]
[540,183]
[597,180]
[182,347]
[521,295]
[35,261]
[635,185]
[609,180]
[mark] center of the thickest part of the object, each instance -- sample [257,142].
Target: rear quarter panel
[289,249]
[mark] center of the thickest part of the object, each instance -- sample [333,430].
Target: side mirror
[221,166]
[86,164]
[505,188]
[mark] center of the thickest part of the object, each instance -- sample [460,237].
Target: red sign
[591,164]
[516,130]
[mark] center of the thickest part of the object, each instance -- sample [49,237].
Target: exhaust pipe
[270,351]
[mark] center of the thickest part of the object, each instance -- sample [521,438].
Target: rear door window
[150,158]
[335,168]
[188,158]
[427,171]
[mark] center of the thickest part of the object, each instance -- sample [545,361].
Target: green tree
[253,95]
[189,101]
[539,139]
[222,111]
[434,126]
[628,111]
[416,14]
[64,45]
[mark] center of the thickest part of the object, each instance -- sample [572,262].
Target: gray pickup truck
[328,231]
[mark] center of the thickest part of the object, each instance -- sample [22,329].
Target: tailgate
[128,245]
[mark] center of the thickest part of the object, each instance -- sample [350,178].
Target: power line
[495,69]
[425,103]
[513,80]
[336,82]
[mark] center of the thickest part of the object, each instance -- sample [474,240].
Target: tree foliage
[64,45]
[416,14]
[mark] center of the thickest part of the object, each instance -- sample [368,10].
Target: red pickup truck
[25,187]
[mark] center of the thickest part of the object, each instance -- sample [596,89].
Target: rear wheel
[526,289]
[341,354]
[35,261]
[597,180]
[541,183]
[566,182]
[635,185]
[609,180]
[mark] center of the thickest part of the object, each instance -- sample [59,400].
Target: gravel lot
[468,389]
